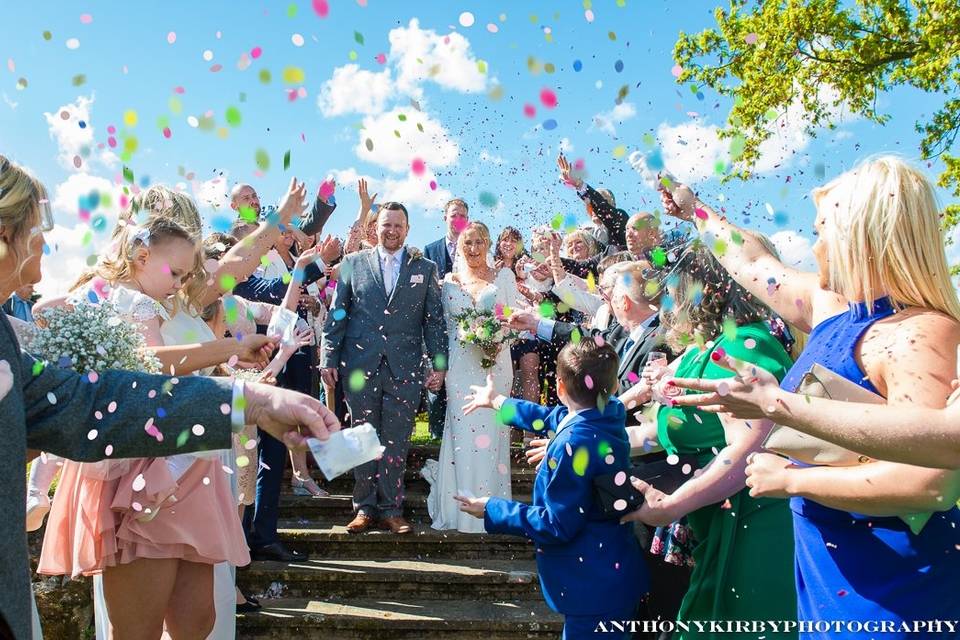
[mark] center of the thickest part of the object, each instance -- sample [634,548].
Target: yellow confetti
[293,75]
[130,118]
[619,151]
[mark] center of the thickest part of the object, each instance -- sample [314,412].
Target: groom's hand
[523,320]
[434,380]
[286,415]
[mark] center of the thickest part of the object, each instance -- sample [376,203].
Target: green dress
[744,550]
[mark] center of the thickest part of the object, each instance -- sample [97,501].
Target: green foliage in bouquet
[484,330]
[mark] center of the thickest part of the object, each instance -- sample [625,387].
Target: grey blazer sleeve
[563,330]
[334,329]
[314,221]
[435,326]
[60,405]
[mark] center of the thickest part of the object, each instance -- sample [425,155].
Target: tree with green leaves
[769,55]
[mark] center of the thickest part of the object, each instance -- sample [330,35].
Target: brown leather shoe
[362,522]
[396,524]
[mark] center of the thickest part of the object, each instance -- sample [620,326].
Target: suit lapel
[374,261]
[636,346]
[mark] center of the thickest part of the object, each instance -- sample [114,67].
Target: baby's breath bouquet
[91,338]
[483,329]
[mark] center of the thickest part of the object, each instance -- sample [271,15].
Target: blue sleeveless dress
[851,566]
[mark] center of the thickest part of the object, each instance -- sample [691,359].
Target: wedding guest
[363,232]
[883,314]
[526,360]
[20,304]
[63,427]
[590,565]
[729,525]
[580,245]
[443,252]
[609,222]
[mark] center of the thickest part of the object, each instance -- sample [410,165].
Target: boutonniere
[414,254]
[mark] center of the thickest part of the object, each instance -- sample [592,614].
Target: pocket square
[416,279]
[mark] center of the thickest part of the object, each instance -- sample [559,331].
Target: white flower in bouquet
[91,338]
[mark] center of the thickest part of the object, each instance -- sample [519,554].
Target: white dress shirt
[395,271]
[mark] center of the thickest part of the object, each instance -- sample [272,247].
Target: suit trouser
[261,521]
[586,626]
[390,405]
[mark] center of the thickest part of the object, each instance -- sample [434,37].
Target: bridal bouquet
[90,338]
[482,329]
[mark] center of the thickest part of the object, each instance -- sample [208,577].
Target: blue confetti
[221,223]
[780,218]
[92,296]
[46,249]
[83,125]
[339,314]
[550,124]
[655,160]
[618,66]
[577,66]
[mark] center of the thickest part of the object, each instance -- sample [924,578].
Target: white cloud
[75,144]
[413,191]
[492,158]
[607,121]
[795,250]
[355,90]
[691,149]
[396,152]
[212,193]
[565,145]
[421,55]
[68,194]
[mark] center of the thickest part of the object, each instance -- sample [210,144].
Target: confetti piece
[73,43]
[581,459]
[618,66]
[492,28]
[548,98]
[550,124]
[171,37]
[293,75]
[198,430]
[482,441]
[358,37]
[487,199]
[587,380]
[676,70]
[529,110]
[297,40]
[418,167]
[466,19]
[751,38]
[356,381]
[619,151]
[262,158]
[286,160]
[577,66]
[321,8]
[381,58]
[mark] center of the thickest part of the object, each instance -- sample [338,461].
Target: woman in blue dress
[881,312]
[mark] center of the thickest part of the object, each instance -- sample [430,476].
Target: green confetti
[552,463]
[127,174]
[183,437]
[557,222]
[420,127]
[402,117]
[487,199]
[262,159]
[729,329]
[575,336]
[286,278]
[538,425]
[79,80]
[720,248]
[47,35]
[604,449]
[658,256]
[286,160]
[736,238]
[292,10]
[247,214]
[357,380]
[547,310]
[358,37]
[38,366]
[227,282]
[507,413]
[737,145]
[233,116]
[265,76]
[439,361]
[581,460]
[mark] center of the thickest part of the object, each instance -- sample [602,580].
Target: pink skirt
[108,514]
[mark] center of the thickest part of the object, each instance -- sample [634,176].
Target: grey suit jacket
[364,327]
[53,410]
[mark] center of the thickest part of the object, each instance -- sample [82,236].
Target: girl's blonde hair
[883,237]
[154,216]
[21,198]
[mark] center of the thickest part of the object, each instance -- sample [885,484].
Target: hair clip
[142,234]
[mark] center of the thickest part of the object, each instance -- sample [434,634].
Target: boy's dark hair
[588,371]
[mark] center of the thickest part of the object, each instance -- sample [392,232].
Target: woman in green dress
[744,546]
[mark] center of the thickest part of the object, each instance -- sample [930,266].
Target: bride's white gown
[475,452]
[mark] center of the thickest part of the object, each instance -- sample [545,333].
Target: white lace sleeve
[137,306]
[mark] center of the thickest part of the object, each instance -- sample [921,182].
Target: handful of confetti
[346,449]
[90,338]
[651,171]
[483,329]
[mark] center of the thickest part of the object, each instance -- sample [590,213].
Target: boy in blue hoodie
[591,567]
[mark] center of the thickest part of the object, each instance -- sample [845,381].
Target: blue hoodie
[588,562]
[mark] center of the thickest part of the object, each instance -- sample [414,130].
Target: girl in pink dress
[153,527]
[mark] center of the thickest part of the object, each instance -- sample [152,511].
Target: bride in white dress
[475,452]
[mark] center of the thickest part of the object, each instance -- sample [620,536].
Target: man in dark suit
[443,253]
[20,304]
[260,523]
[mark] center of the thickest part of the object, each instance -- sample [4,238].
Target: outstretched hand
[480,397]
[566,173]
[679,202]
[294,202]
[476,507]
[751,394]
[366,200]
[286,415]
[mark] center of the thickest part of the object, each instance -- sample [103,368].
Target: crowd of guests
[744,534]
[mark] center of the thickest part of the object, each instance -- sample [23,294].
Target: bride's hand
[479,397]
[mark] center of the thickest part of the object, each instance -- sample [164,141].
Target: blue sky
[466,86]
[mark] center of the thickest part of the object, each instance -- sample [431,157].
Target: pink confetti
[215,68]
[179,90]
[112,407]
[632,377]
[171,37]
[548,98]
[433,185]
[676,70]
[166,132]
[492,28]
[418,167]
[751,38]
[482,441]
[256,52]
[842,592]
[620,479]
[139,483]
[225,409]
[700,213]
[327,187]
[529,110]
[11,66]
[86,18]
[750,343]
[321,8]
[381,58]
[587,380]
[108,450]
[599,340]
[620,505]
[93,376]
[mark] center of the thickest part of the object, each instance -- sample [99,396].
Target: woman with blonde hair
[882,313]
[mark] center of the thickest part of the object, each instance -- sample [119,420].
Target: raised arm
[244,257]
[359,229]
[614,219]
[793,294]
[316,219]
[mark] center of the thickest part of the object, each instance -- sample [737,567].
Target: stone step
[521,479]
[376,619]
[404,580]
[341,506]
[329,539]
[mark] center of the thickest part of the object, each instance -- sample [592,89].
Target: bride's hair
[460,264]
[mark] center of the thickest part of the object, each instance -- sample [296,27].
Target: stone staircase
[430,584]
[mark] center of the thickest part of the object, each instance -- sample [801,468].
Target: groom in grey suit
[386,308]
